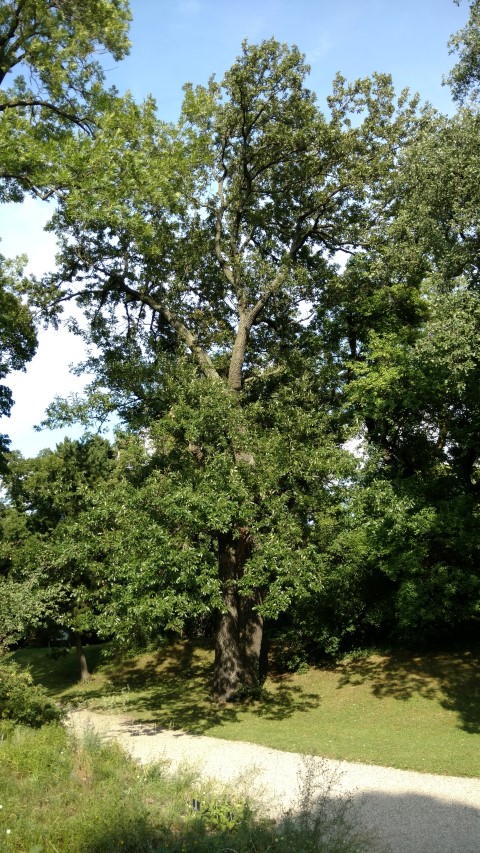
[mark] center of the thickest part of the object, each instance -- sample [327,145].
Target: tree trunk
[84,673]
[251,640]
[228,668]
[238,645]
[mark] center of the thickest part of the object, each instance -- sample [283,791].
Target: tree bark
[238,355]
[251,640]
[84,673]
[238,644]
[228,668]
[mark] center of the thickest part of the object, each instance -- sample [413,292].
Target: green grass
[59,795]
[412,712]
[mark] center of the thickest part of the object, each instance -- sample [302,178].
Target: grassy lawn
[417,713]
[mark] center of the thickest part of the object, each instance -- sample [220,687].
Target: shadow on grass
[320,822]
[176,685]
[451,679]
[141,837]
[170,687]
[58,669]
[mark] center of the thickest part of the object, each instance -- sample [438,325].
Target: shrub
[21,700]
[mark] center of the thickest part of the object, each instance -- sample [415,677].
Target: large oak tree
[203,255]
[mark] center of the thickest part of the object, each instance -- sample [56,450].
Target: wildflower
[9,831]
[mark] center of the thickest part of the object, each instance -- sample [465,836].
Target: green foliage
[18,340]
[28,601]
[50,574]
[88,796]
[54,486]
[192,254]
[22,701]
[464,78]
[240,357]
[51,48]
[50,90]
[221,814]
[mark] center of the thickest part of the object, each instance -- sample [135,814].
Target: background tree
[51,47]
[45,549]
[414,386]
[404,320]
[50,86]
[464,78]
[239,357]
[18,340]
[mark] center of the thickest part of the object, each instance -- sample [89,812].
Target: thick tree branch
[226,269]
[203,360]
[83,123]
[262,301]
[13,26]
[245,323]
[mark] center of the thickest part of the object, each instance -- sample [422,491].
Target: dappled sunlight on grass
[452,680]
[172,688]
[416,712]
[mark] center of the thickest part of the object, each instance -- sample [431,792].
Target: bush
[22,701]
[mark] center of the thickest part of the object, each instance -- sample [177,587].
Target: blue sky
[174,41]
[179,40]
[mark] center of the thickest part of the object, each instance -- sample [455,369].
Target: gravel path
[408,812]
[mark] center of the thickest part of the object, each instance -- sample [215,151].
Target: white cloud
[320,50]
[47,375]
[22,233]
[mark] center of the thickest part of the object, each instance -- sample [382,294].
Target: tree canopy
[51,82]
[261,282]
[464,79]
[207,253]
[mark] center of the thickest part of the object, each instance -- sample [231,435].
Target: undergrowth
[22,701]
[61,795]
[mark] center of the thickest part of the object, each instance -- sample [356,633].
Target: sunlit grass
[412,712]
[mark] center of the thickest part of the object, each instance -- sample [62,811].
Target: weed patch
[60,794]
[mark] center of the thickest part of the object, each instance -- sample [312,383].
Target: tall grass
[61,795]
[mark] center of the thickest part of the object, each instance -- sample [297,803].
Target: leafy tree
[414,385]
[48,565]
[400,559]
[464,78]
[211,236]
[18,340]
[50,46]
[404,319]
